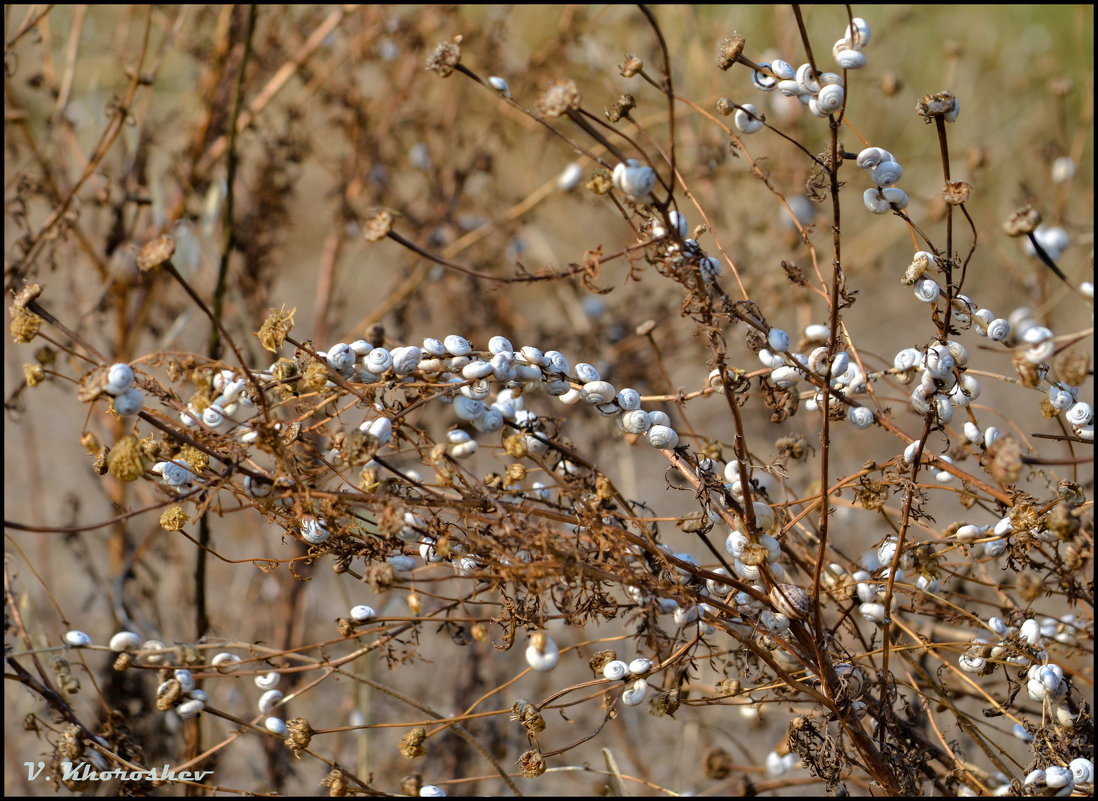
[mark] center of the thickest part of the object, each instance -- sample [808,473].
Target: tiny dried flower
[300,734]
[532,763]
[380,226]
[127,461]
[446,56]
[34,374]
[156,252]
[631,66]
[1022,221]
[25,324]
[174,518]
[411,744]
[561,97]
[275,328]
[956,192]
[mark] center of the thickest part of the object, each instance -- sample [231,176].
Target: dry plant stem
[15,273]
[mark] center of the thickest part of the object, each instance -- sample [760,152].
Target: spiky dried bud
[299,735]
[174,518]
[126,461]
[25,324]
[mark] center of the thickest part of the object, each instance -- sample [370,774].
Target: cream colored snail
[830,99]
[77,639]
[269,700]
[542,653]
[225,662]
[268,681]
[313,530]
[790,600]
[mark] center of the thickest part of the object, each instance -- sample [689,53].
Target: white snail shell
[225,662]
[185,679]
[859,36]
[640,666]
[268,681]
[895,197]
[783,69]
[190,709]
[457,345]
[269,700]
[846,57]
[861,416]
[405,359]
[500,85]
[431,791]
[175,474]
[615,670]
[77,638]
[998,329]
[125,641]
[747,119]
[556,363]
[131,401]
[313,530]
[907,359]
[635,421]
[763,81]
[870,157]
[362,613]
[598,392]
[831,98]
[1082,770]
[1060,397]
[887,173]
[662,437]
[379,360]
[806,80]
[542,653]
[927,290]
[1057,776]
[873,612]
[629,399]
[939,361]
[636,693]
[119,378]
[276,726]
[341,358]
[778,340]
[635,180]
[1080,414]
[875,201]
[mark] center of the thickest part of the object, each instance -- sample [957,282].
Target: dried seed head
[411,744]
[156,252]
[380,226]
[561,97]
[445,57]
[275,328]
[1022,221]
[300,735]
[126,461]
[532,763]
[25,324]
[956,192]
[631,66]
[729,51]
[174,518]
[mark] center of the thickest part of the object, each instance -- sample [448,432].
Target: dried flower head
[956,192]
[730,50]
[1022,221]
[127,462]
[561,97]
[445,57]
[532,763]
[156,252]
[275,328]
[411,744]
[631,66]
[25,324]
